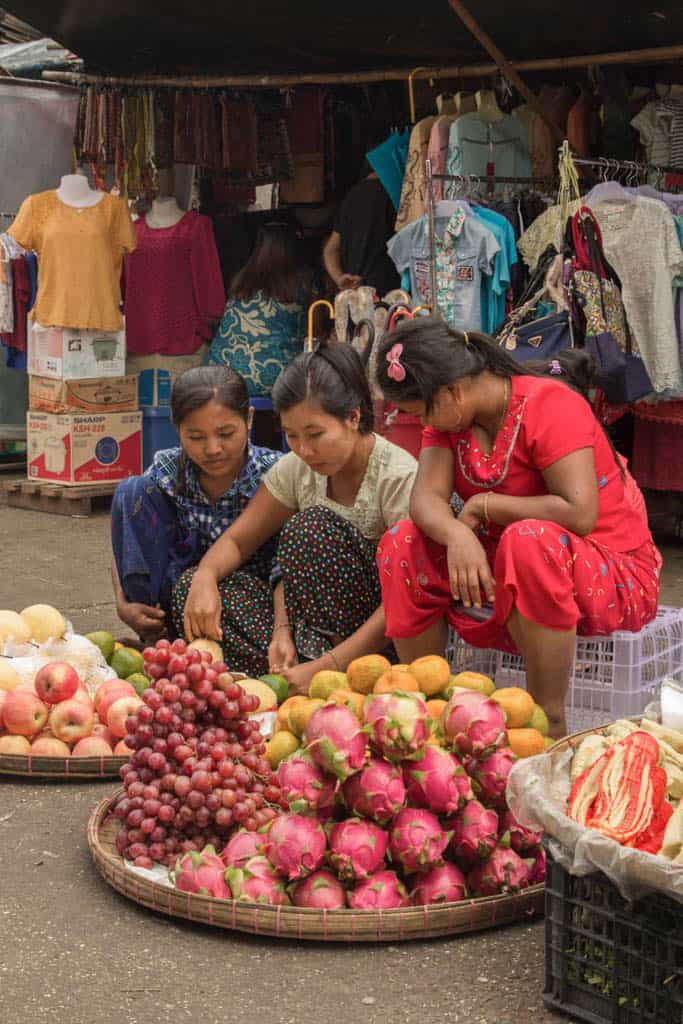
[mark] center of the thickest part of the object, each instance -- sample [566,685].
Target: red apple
[92,746]
[23,714]
[112,695]
[119,711]
[3,695]
[121,750]
[49,746]
[14,745]
[104,688]
[101,730]
[83,697]
[55,682]
[70,720]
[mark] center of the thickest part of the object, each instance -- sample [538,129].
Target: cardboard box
[84,449]
[106,394]
[65,354]
[157,373]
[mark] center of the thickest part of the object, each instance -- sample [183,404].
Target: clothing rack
[626,166]
[430,178]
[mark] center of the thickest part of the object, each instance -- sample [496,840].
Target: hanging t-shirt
[464,250]
[640,241]
[475,145]
[80,250]
[495,287]
[173,286]
[437,150]
[413,191]
[364,223]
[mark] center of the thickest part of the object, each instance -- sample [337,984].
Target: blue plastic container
[157,432]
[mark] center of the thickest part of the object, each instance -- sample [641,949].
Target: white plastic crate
[612,677]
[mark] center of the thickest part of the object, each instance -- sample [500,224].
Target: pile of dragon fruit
[380,817]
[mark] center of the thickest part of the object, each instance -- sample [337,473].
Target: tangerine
[526,742]
[517,704]
[432,673]
[363,673]
[393,680]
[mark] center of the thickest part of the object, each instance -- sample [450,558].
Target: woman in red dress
[552,540]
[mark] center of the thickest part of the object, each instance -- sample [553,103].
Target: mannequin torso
[487,106]
[165,213]
[74,191]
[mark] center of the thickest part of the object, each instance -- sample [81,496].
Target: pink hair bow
[555,367]
[396,371]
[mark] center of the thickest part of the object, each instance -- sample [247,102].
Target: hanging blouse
[80,252]
[413,190]
[173,287]
[476,147]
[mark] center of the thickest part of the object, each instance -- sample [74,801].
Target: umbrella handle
[311,308]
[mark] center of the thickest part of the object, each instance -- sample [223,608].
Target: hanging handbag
[596,292]
[541,339]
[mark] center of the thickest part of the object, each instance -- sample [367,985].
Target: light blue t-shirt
[473,144]
[494,288]
[465,249]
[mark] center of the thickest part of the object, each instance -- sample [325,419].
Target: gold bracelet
[334,661]
[486,506]
[283,625]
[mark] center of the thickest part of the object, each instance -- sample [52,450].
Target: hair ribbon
[555,367]
[396,371]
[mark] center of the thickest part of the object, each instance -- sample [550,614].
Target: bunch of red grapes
[198,768]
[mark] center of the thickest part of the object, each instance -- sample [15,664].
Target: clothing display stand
[463,180]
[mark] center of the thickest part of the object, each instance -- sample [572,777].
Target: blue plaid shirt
[209,520]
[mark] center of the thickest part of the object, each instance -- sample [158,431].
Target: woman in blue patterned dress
[262,329]
[164,521]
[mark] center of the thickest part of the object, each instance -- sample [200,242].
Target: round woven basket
[76,769]
[428,922]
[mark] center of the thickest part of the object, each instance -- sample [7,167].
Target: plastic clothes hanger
[608,191]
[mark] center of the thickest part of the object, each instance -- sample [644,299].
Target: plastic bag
[537,794]
[74,649]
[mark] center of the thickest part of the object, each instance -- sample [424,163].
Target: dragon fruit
[416,840]
[399,724]
[473,724]
[503,872]
[445,884]
[437,781]
[258,882]
[320,891]
[376,792]
[357,848]
[304,785]
[241,846]
[335,740]
[382,891]
[202,873]
[537,867]
[522,840]
[491,776]
[295,845]
[475,832]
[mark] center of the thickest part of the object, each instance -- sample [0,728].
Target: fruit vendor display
[627,783]
[375,815]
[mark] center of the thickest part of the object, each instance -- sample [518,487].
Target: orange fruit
[350,699]
[432,673]
[473,681]
[393,680]
[526,742]
[285,707]
[435,708]
[363,673]
[300,713]
[517,704]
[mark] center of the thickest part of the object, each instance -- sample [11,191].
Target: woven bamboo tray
[428,922]
[74,769]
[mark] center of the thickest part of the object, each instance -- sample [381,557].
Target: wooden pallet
[61,499]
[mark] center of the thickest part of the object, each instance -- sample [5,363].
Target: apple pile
[55,716]
[197,767]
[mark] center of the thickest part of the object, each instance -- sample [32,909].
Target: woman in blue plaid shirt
[165,520]
[330,499]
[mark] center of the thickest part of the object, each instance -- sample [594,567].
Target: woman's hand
[472,512]
[148,622]
[299,677]
[469,572]
[202,614]
[282,652]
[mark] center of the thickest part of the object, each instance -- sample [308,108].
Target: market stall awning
[268,36]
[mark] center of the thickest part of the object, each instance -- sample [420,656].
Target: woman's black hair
[271,270]
[202,384]
[192,390]
[435,354]
[333,375]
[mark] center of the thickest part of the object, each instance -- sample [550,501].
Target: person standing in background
[356,252]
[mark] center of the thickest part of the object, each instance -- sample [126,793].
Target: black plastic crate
[609,961]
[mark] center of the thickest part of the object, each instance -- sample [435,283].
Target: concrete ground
[72,951]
